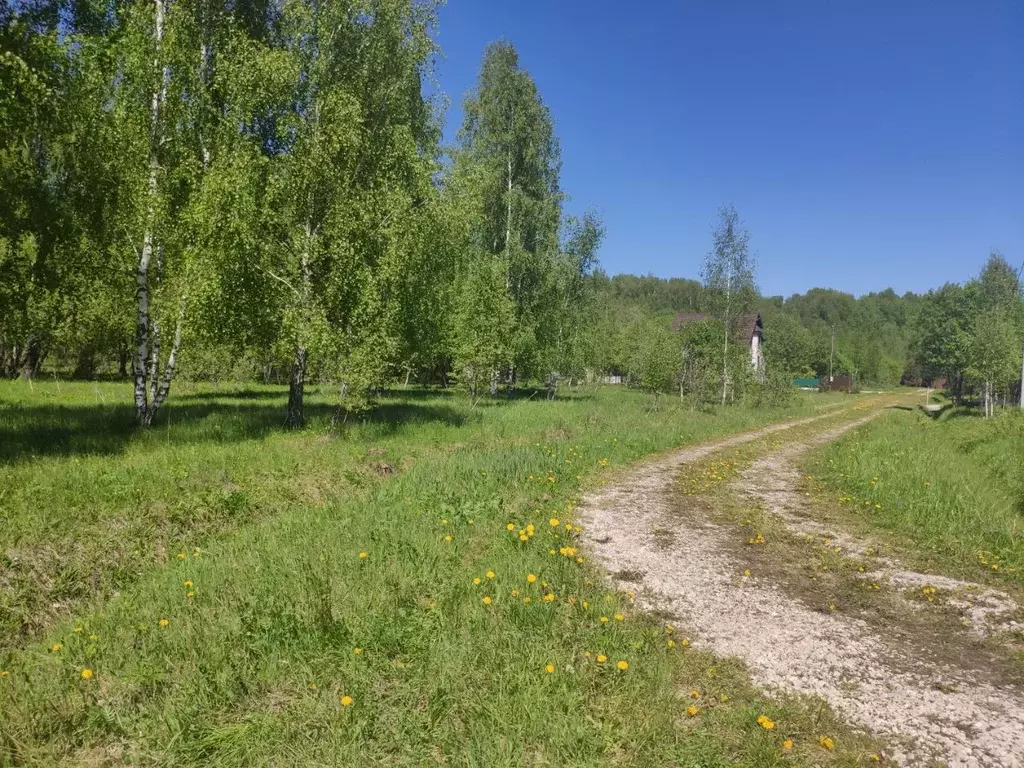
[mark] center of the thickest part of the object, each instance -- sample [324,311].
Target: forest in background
[258,190]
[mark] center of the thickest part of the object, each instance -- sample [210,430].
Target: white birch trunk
[142,321]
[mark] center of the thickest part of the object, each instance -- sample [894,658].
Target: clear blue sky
[867,144]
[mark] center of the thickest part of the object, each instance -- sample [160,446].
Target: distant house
[748,331]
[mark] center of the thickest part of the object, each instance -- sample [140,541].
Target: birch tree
[350,183]
[507,142]
[729,281]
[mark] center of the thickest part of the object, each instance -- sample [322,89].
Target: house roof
[746,324]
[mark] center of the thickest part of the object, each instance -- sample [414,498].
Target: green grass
[949,489]
[103,526]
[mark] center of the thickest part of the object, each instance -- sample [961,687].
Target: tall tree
[507,149]
[729,280]
[351,182]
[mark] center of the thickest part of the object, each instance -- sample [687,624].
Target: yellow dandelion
[164,623]
[523,537]
[78,629]
[94,637]
[553,522]
[787,744]
[692,711]
[510,527]
[549,668]
[347,701]
[490,574]
[363,555]
[357,651]
[671,643]
[4,673]
[526,600]
[487,600]
[531,578]
[56,647]
[725,698]
[622,664]
[604,619]
[601,658]
[188,583]
[182,555]
[549,597]
[765,722]
[619,617]
[586,604]
[826,742]
[86,674]
[694,694]
[477,581]
[448,538]
[190,595]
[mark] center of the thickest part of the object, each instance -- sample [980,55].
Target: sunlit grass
[950,488]
[217,591]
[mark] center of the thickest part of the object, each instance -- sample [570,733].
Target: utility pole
[831,357]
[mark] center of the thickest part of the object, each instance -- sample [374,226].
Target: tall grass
[217,591]
[951,487]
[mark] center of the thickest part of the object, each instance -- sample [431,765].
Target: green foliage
[950,489]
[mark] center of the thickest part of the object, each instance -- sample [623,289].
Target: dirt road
[926,707]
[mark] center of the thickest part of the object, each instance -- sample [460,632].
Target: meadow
[403,589]
[947,487]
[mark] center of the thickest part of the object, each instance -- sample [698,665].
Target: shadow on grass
[37,431]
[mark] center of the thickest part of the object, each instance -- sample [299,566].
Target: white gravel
[879,685]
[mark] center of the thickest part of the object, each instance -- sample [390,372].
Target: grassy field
[218,591]
[949,488]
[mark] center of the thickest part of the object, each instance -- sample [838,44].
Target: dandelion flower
[765,722]
[694,694]
[685,643]
[604,619]
[190,595]
[549,668]
[477,581]
[826,742]
[78,629]
[487,600]
[164,623]
[56,647]
[490,574]
[510,527]
[94,637]
[357,651]
[671,643]
[523,537]
[549,597]
[787,744]
[553,522]
[363,555]
[531,578]
[601,658]
[182,555]
[188,583]
[622,664]
[4,673]
[86,674]
[725,698]
[526,600]
[619,617]
[347,701]
[746,572]
[692,711]
[448,538]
